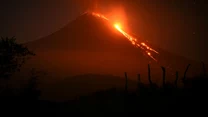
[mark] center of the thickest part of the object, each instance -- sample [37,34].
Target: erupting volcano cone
[88,45]
[93,45]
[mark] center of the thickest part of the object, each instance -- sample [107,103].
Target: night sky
[179,26]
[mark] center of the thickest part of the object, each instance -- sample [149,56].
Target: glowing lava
[117,26]
[99,15]
[133,40]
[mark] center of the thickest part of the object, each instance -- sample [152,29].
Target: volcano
[92,45]
[87,45]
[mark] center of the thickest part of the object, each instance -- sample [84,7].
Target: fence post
[204,69]
[126,83]
[164,72]
[176,80]
[149,75]
[184,77]
[138,78]
[139,81]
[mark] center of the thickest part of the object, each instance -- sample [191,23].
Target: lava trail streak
[144,47]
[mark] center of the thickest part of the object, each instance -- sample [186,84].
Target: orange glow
[117,26]
[143,44]
[117,13]
[132,39]
[99,15]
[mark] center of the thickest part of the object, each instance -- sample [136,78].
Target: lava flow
[147,49]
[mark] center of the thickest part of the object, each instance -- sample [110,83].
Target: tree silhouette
[12,56]
[31,91]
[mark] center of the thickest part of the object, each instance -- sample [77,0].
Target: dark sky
[179,26]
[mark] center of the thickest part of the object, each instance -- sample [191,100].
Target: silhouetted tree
[12,56]
[31,91]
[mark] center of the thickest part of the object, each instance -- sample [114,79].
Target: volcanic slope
[87,45]
[91,44]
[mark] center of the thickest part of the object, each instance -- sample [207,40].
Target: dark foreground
[191,97]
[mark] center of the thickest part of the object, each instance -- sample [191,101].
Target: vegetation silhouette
[12,56]
[172,97]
